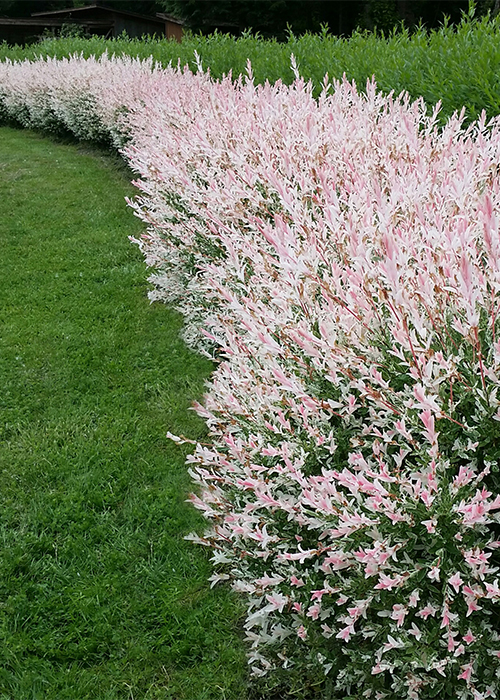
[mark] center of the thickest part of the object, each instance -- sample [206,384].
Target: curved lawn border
[100,595]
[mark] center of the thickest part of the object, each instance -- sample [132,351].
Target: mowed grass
[100,596]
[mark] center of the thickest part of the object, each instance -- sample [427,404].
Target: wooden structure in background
[173,27]
[94,19]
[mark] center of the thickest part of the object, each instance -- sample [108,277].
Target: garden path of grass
[100,597]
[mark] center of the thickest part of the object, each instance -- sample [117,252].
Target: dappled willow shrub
[340,259]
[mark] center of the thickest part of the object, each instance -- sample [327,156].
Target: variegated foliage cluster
[339,257]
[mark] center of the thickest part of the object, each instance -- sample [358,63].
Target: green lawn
[100,596]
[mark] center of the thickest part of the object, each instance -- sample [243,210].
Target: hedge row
[339,257]
[457,65]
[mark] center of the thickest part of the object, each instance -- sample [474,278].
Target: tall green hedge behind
[458,65]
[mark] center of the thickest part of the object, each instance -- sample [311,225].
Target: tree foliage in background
[273,17]
[268,17]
